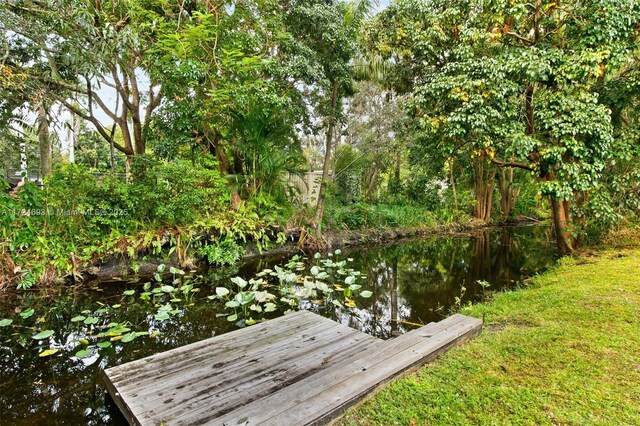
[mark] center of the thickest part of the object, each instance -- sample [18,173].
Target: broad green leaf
[104,345]
[222,291]
[48,352]
[240,282]
[91,320]
[43,335]
[83,353]
[5,322]
[78,318]
[128,337]
[162,316]
[232,318]
[366,294]
[129,292]
[26,314]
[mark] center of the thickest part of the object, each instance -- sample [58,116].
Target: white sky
[383,4]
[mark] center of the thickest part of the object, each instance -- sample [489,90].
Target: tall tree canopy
[529,85]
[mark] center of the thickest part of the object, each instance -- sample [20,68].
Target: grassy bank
[564,351]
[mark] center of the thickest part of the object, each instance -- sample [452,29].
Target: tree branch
[101,104]
[122,88]
[93,120]
[513,164]
[521,38]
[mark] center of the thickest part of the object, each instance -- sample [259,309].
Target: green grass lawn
[565,350]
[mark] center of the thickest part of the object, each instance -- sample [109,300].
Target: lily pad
[128,337]
[48,352]
[26,314]
[83,353]
[91,320]
[43,335]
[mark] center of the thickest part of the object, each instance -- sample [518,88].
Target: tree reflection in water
[412,282]
[418,282]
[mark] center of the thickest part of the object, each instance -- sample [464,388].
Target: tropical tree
[517,84]
[231,93]
[326,34]
[371,121]
[80,53]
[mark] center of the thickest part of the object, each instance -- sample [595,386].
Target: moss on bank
[564,351]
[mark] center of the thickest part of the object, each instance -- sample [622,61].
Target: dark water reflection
[413,283]
[422,281]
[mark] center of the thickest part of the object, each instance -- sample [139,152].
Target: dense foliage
[539,86]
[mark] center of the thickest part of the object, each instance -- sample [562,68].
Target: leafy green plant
[327,282]
[227,252]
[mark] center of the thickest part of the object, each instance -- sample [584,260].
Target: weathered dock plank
[297,369]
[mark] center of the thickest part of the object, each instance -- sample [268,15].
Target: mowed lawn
[565,350]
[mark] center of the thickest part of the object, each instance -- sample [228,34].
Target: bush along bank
[83,225]
[167,210]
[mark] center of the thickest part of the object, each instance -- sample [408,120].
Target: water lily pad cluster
[95,330]
[327,282]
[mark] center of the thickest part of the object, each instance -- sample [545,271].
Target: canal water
[413,282]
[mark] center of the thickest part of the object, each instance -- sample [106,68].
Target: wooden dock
[298,369]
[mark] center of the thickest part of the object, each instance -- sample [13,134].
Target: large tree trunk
[561,223]
[509,193]
[44,141]
[453,184]
[371,182]
[76,124]
[128,165]
[317,220]
[484,176]
[224,165]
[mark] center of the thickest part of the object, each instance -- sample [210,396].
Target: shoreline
[117,268]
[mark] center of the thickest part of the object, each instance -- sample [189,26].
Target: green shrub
[227,252]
